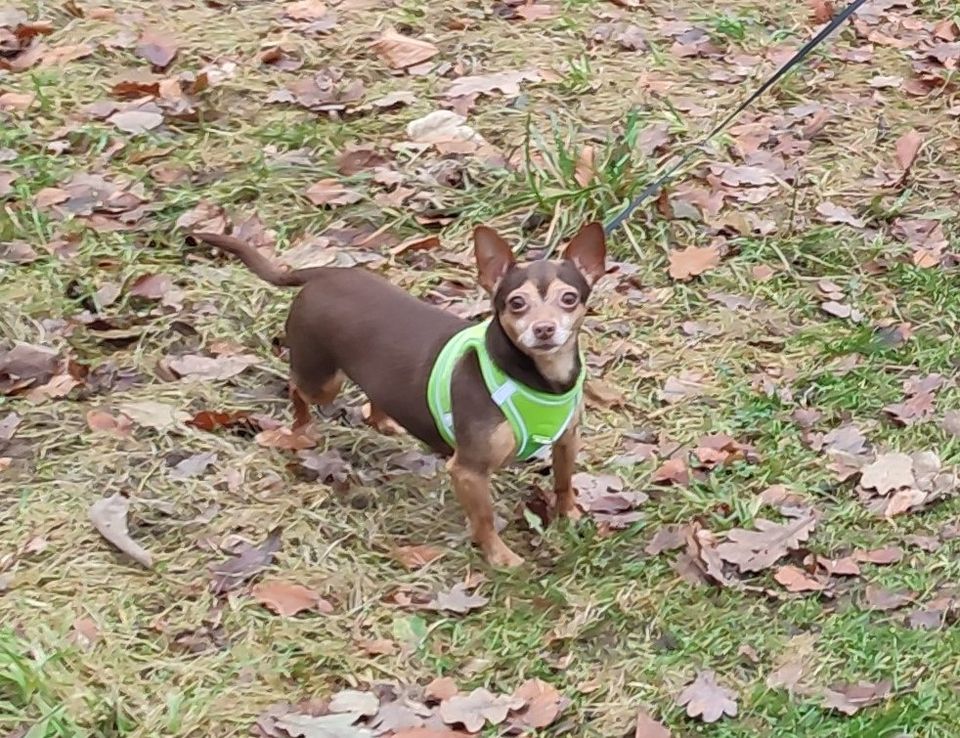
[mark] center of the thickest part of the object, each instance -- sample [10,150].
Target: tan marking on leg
[301,407]
[302,401]
[380,421]
[331,388]
[564,455]
[473,491]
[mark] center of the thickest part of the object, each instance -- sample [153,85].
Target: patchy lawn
[776,353]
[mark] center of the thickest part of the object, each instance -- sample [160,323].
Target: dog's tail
[257,262]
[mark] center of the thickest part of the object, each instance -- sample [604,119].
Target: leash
[796,59]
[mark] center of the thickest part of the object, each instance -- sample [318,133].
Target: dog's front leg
[564,458]
[472,485]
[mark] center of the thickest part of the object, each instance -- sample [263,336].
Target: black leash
[667,176]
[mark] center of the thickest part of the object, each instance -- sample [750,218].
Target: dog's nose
[544,331]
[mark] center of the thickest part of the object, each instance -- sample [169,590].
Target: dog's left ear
[588,252]
[494,257]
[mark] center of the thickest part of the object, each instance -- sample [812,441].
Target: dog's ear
[493,255]
[588,252]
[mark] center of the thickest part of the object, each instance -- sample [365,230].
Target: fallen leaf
[360,159]
[457,599]
[157,47]
[440,689]
[601,394]
[26,364]
[674,471]
[908,146]
[485,84]
[880,556]
[951,422]
[97,420]
[9,425]
[151,286]
[324,726]
[285,438]
[878,598]
[416,557]
[903,501]
[585,168]
[400,52]
[109,517]
[821,11]
[152,414]
[377,646]
[647,727]
[690,262]
[684,387]
[667,538]
[795,579]
[232,572]
[16,101]
[331,192]
[543,703]
[194,367]
[843,567]
[790,665]
[476,709]
[204,217]
[851,698]
[136,121]
[85,633]
[755,550]
[288,599]
[211,420]
[193,466]
[305,10]
[837,214]
[888,472]
[707,700]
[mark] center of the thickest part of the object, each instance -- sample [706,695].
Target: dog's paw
[573,513]
[379,422]
[501,557]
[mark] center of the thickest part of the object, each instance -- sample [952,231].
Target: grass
[611,627]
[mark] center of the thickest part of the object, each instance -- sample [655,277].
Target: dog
[481,394]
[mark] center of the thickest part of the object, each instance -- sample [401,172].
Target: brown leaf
[647,727]
[109,517]
[878,598]
[151,286]
[585,169]
[821,11]
[601,394]
[400,52]
[674,471]
[796,579]
[476,709]
[755,550]
[157,47]
[684,387]
[360,159]
[843,567]
[543,703]
[888,472]
[85,633]
[331,192]
[103,422]
[914,409]
[440,689]
[851,698]
[136,121]
[305,10]
[195,367]
[231,573]
[485,84]
[416,557]
[837,214]
[285,438]
[951,422]
[288,599]
[26,364]
[210,420]
[667,538]
[152,414]
[880,556]
[8,426]
[430,733]
[417,243]
[457,599]
[690,262]
[908,146]
[16,101]
[64,54]
[377,646]
[205,216]
[193,466]
[707,700]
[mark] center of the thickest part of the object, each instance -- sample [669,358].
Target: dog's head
[541,304]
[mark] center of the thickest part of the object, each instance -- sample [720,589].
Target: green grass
[613,628]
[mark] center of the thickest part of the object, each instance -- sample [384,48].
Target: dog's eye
[517,303]
[569,299]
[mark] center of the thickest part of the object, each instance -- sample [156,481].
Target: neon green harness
[537,418]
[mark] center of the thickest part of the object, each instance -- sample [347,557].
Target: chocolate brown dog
[481,394]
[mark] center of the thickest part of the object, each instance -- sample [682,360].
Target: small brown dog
[482,394]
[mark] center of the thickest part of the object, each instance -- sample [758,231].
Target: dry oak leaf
[152,414]
[400,52]
[331,192]
[457,599]
[796,579]
[908,146]
[673,471]
[683,387]
[337,725]
[98,420]
[416,557]
[156,47]
[880,556]
[878,598]
[285,438]
[834,213]
[647,727]
[197,368]
[821,11]
[232,572]
[136,120]
[543,703]
[16,100]
[507,82]
[690,262]
[707,700]
[888,472]
[476,709]
[109,517]
[851,698]
[356,702]
[755,550]
[440,689]
[305,10]
[601,394]
[288,599]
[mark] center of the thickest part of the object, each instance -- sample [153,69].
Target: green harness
[537,418]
